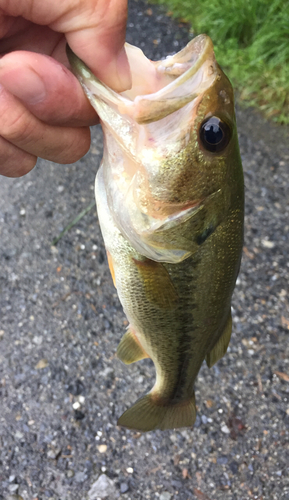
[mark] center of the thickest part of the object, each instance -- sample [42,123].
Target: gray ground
[62,387]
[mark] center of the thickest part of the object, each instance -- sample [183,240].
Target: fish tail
[149,413]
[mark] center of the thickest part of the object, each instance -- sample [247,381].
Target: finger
[14,162]
[48,89]
[100,43]
[95,31]
[24,130]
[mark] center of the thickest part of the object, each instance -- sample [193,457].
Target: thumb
[101,44]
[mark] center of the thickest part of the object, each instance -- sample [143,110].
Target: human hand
[43,109]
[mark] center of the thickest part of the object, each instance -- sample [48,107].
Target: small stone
[43,363]
[11,479]
[268,244]
[165,496]
[124,487]
[104,373]
[102,488]
[129,470]
[222,460]
[70,473]
[204,419]
[102,448]
[80,477]
[54,453]
[19,435]
[177,484]
[37,340]
[225,429]
[13,487]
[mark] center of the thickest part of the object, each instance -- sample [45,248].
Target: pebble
[70,473]
[165,496]
[268,244]
[80,477]
[43,363]
[177,484]
[225,429]
[222,460]
[102,448]
[204,419]
[54,453]
[124,487]
[13,487]
[102,488]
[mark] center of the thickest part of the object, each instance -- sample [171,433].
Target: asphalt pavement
[61,386]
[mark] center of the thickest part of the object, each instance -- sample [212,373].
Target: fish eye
[214,134]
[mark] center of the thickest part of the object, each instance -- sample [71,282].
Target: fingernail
[123,71]
[24,83]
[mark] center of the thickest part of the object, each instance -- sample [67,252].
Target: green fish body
[170,200]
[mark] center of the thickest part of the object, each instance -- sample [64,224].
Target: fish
[170,203]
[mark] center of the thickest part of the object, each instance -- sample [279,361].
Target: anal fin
[129,349]
[221,346]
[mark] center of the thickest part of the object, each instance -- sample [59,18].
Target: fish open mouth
[158,87]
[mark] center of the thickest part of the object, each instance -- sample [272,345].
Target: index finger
[95,30]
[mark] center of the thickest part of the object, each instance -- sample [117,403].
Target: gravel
[62,387]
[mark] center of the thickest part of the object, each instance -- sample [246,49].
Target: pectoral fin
[129,349]
[220,348]
[157,283]
[110,265]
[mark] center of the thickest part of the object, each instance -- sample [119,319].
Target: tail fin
[148,414]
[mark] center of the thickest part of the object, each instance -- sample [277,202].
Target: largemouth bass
[170,201]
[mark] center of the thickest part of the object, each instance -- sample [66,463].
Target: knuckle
[17,127]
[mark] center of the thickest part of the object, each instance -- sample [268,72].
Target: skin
[43,109]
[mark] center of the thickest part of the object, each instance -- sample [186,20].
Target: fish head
[170,144]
